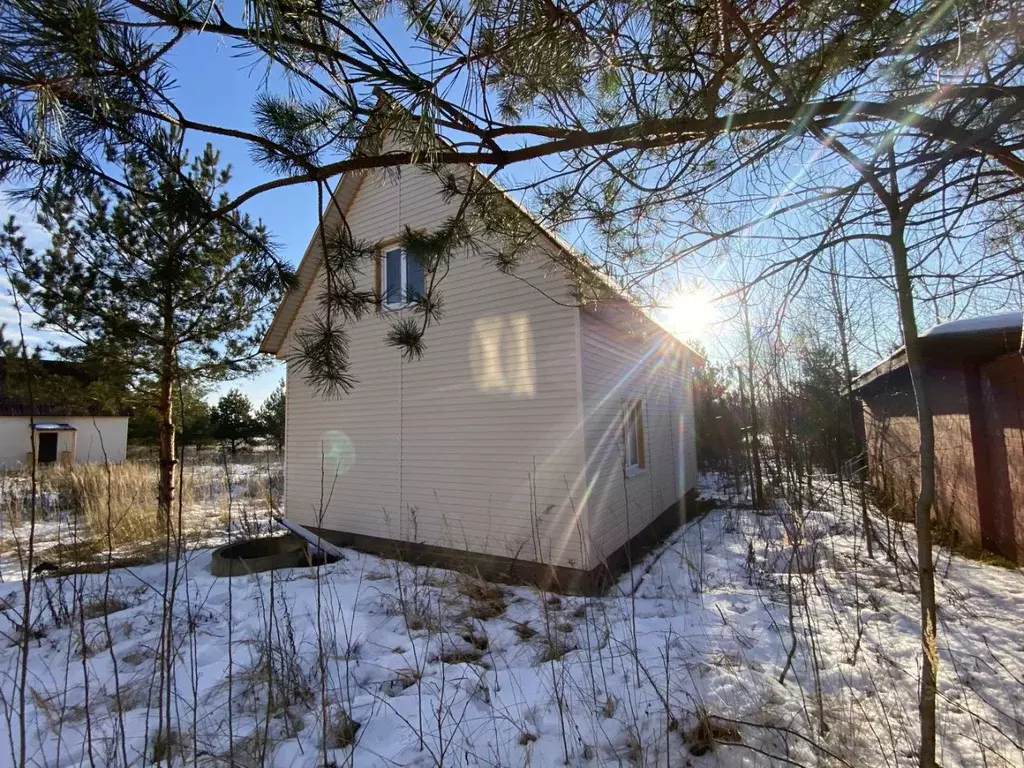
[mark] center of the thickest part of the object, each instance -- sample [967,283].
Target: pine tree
[232,421]
[144,280]
[824,405]
[270,417]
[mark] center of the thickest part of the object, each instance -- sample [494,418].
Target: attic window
[401,279]
[633,433]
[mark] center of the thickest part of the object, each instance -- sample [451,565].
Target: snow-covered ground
[437,669]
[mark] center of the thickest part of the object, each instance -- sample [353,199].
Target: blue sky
[215,84]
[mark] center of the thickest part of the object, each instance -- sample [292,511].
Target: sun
[689,313]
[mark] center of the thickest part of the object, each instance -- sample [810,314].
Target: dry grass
[555,648]
[459,656]
[486,600]
[96,607]
[138,655]
[408,677]
[709,732]
[117,504]
[168,746]
[525,631]
[479,641]
[341,730]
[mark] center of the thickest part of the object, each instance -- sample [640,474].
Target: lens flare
[689,313]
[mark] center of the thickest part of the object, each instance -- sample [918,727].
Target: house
[534,439]
[975,377]
[40,416]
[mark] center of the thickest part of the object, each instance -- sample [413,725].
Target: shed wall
[1002,449]
[100,438]
[893,443]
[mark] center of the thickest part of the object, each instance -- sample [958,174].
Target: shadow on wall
[501,355]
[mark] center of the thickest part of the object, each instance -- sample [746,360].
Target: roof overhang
[305,276]
[963,345]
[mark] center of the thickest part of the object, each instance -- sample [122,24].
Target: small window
[393,289]
[401,279]
[634,437]
[413,279]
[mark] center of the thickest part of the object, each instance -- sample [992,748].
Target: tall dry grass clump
[116,503]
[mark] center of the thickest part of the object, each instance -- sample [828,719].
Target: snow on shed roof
[1008,321]
[979,335]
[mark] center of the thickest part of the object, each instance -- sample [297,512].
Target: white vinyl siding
[470,447]
[619,372]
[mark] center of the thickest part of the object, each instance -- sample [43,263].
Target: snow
[704,625]
[1010,322]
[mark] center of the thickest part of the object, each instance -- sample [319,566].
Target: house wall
[473,446]
[96,437]
[618,368]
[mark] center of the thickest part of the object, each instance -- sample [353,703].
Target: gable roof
[345,194]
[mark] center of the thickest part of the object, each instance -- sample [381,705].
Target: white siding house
[531,431]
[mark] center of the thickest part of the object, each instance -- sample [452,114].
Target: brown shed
[975,375]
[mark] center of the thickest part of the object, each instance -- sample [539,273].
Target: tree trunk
[923,522]
[168,373]
[165,493]
[749,461]
[755,433]
[858,439]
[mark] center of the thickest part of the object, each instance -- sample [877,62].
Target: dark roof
[975,340]
[55,386]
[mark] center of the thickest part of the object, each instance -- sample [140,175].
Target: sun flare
[690,313]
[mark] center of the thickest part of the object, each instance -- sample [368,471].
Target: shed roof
[974,339]
[1008,322]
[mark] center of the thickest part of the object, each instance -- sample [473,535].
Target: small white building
[55,432]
